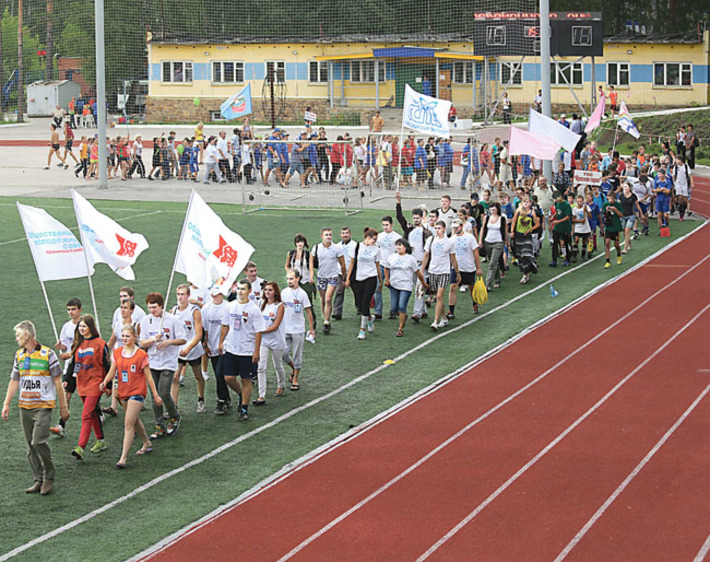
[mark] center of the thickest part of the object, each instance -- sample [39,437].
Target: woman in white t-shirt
[273,340]
[400,270]
[299,259]
[364,277]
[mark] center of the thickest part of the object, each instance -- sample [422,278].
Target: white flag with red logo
[106,241]
[209,253]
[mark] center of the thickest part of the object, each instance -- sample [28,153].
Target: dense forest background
[65,28]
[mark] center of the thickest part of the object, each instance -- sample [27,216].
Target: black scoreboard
[518,34]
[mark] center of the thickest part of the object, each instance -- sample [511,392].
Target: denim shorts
[628,221]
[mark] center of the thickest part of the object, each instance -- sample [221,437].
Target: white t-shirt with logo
[328,263]
[402,271]
[244,321]
[415,238]
[348,252]
[579,213]
[212,314]
[386,243]
[464,246]
[440,251]
[277,338]
[367,259]
[296,302]
[173,329]
[188,318]
[137,315]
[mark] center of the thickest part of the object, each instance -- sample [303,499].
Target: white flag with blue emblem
[425,114]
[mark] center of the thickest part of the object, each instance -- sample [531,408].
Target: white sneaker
[201,407]
[462,289]
[443,323]
[205,375]
[361,335]
[182,380]
[434,326]
[371,324]
[310,339]
[58,430]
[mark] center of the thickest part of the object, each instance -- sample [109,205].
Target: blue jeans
[399,300]
[378,294]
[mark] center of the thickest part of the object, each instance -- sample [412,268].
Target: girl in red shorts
[130,363]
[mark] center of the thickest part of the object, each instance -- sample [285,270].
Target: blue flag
[237,105]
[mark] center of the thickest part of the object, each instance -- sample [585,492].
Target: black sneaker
[221,408]
[450,315]
[243,416]
[326,328]
[378,316]
[392,316]
[337,317]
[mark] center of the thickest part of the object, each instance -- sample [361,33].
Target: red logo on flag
[127,248]
[225,253]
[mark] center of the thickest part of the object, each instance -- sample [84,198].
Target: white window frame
[621,68]
[363,67]
[513,67]
[683,67]
[221,63]
[462,69]
[558,67]
[187,71]
[321,69]
[279,71]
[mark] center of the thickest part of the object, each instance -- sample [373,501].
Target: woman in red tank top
[89,365]
[130,364]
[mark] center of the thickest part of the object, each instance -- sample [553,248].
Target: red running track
[585,437]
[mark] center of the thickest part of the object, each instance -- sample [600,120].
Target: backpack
[315,256]
[353,273]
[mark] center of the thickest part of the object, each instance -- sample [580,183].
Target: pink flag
[596,118]
[533,144]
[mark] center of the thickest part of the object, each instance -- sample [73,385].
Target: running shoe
[607,265]
[361,335]
[475,308]
[565,263]
[552,264]
[326,328]
[443,323]
[205,375]
[416,318]
[371,324]
[450,315]
[99,446]
[201,407]
[58,430]
[434,326]
[158,433]
[221,408]
[182,380]
[243,416]
[618,260]
[173,425]
[78,453]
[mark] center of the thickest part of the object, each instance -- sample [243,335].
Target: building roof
[630,36]
[181,39]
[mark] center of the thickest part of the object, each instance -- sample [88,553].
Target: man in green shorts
[561,229]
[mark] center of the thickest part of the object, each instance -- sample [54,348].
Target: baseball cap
[215,290]
[457,222]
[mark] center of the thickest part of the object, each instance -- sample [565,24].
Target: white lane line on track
[77,228]
[465,429]
[703,552]
[311,457]
[594,518]
[503,487]
[262,485]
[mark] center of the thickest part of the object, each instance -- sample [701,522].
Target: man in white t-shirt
[240,341]
[212,314]
[385,240]
[440,258]
[348,245]
[223,155]
[447,213]
[330,264]
[641,188]
[252,274]
[191,353]
[125,293]
[682,185]
[212,162]
[468,258]
[162,335]
[63,346]
[297,309]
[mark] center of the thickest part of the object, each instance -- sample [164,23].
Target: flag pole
[401,146]
[616,134]
[86,261]
[49,309]
[172,271]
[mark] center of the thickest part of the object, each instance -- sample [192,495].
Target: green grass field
[174,495]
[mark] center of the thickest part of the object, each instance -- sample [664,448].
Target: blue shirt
[507,210]
[661,197]
[594,210]
[448,153]
[526,163]
[420,158]
[605,187]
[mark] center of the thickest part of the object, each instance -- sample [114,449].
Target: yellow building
[188,80]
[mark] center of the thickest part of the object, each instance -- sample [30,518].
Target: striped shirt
[36,370]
